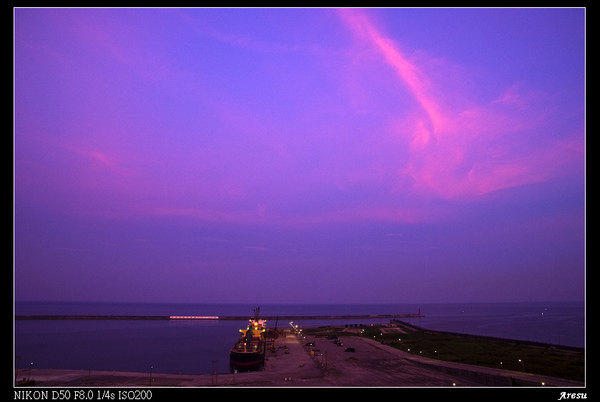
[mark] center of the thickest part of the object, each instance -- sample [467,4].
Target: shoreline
[325,364]
[557,346]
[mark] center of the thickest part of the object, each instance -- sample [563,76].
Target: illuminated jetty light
[193,317]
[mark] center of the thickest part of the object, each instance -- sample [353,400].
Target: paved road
[372,364]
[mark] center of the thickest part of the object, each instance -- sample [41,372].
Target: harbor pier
[360,362]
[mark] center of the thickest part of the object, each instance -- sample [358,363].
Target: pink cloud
[396,130]
[409,73]
[466,151]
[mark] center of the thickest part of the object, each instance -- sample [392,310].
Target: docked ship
[248,353]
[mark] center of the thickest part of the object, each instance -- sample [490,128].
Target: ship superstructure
[248,353]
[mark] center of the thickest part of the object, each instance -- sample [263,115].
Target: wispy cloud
[458,152]
[190,134]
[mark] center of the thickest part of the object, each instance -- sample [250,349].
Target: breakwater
[193,317]
[546,345]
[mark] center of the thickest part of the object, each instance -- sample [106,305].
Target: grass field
[481,351]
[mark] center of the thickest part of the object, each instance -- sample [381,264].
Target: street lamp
[522,365]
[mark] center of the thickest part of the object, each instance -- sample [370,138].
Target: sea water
[202,346]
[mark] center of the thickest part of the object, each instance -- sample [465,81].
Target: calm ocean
[199,347]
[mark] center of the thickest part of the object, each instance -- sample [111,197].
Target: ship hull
[248,353]
[246,361]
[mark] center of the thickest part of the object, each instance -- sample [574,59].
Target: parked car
[350,350]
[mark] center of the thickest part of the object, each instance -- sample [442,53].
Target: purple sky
[299,155]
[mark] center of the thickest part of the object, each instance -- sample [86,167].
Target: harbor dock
[360,362]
